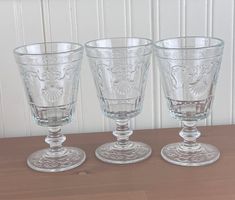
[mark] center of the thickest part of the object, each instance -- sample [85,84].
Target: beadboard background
[30,21]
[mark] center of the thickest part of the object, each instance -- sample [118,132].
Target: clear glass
[189,68]
[120,67]
[50,73]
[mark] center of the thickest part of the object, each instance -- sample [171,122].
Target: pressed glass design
[189,67]
[50,73]
[120,67]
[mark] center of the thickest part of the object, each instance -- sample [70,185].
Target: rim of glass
[220,43]
[149,42]
[79,47]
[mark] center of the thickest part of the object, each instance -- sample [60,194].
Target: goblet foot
[199,155]
[130,152]
[46,160]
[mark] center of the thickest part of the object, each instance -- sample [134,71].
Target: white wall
[29,21]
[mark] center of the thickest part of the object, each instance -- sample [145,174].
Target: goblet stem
[190,134]
[55,139]
[122,132]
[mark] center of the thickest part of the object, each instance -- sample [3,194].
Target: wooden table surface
[152,179]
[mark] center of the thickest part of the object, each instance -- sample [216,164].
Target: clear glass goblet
[50,72]
[189,68]
[120,67]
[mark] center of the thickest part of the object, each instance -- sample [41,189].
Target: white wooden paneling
[82,20]
[32,32]
[170,26]
[157,92]
[88,30]
[114,21]
[60,21]
[114,18]
[141,16]
[222,27]
[209,33]
[15,31]
[196,13]
[233,64]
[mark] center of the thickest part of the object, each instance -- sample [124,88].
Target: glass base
[116,153]
[47,161]
[201,154]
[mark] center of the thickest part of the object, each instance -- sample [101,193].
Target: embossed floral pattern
[119,67]
[50,72]
[189,78]
[189,69]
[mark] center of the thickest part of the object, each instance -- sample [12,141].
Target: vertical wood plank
[32,33]
[222,28]
[128,18]
[89,30]
[233,66]
[156,74]
[114,18]
[209,33]
[60,19]
[100,17]
[142,27]
[114,26]
[183,23]
[46,20]
[101,34]
[195,18]
[6,39]
[128,33]
[169,27]
[13,31]
[196,23]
